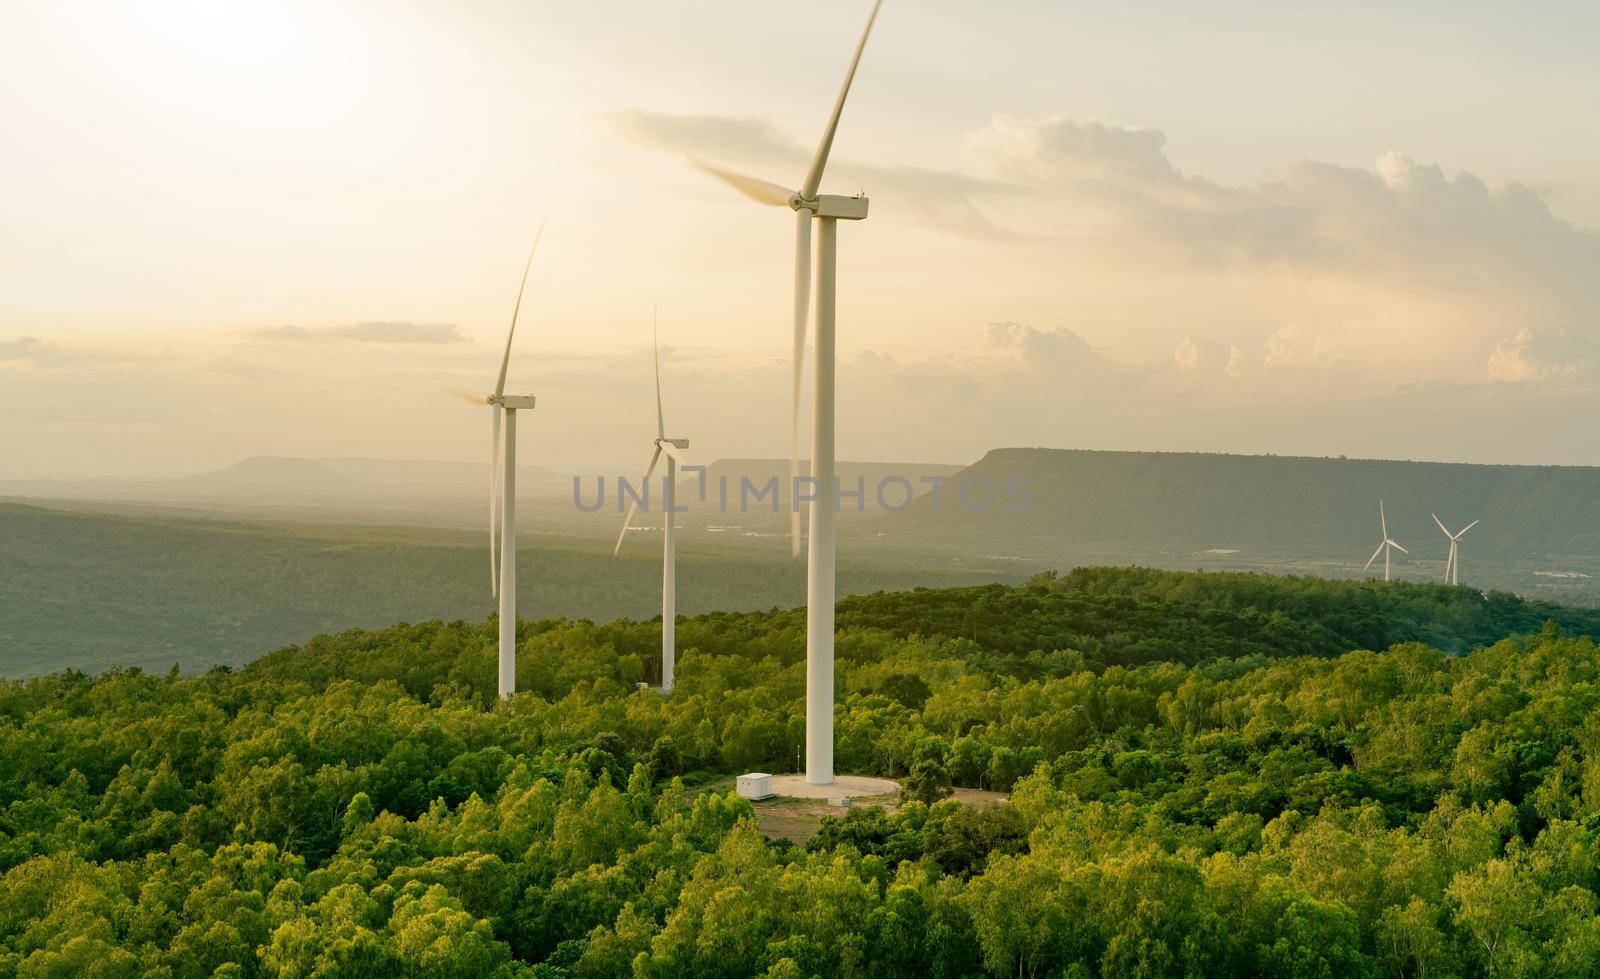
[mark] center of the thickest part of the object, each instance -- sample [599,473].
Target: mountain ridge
[1220,499]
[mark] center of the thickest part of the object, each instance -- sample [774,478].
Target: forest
[1208,775]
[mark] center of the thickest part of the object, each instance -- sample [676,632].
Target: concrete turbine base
[843,787]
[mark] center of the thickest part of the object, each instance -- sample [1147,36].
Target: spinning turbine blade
[1383,521]
[505,361]
[1373,558]
[802,313]
[1468,527]
[466,396]
[758,190]
[655,353]
[1397,547]
[494,504]
[808,190]
[673,451]
[1442,527]
[634,505]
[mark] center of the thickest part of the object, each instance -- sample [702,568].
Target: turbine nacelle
[513,402]
[834,206]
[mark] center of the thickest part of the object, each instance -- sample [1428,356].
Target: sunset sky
[235,229]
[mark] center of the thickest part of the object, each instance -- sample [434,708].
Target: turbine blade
[1383,520]
[655,353]
[505,360]
[494,504]
[467,396]
[1373,558]
[673,451]
[758,190]
[808,190]
[802,315]
[1398,548]
[634,504]
[1442,527]
[1468,527]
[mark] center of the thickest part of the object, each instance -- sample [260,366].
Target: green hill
[1189,795]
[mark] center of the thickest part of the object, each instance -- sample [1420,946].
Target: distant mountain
[278,471]
[1229,501]
[449,477]
[265,480]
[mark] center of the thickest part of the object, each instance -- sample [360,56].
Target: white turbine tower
[673,447]
[503,494]
[827,209]
[1452,567]
[1387,546]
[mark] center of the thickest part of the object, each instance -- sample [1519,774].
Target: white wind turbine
[1387,546]
[503,494]
[1452,567]
[828,210]
[673,447]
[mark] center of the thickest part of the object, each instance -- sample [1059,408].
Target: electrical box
[755,785]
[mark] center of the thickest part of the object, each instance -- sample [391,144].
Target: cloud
[1017,345]
[1400,269]
[36,355]
[377,331]
[1296,346]
[32,350]
[1402,218]
[1044,150]
[749,139]
[1534,354]
[1200,357]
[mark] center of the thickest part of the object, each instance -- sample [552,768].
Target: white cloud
[1021,346]
[1544,352]
[1200,357]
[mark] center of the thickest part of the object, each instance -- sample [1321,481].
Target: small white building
[755,785]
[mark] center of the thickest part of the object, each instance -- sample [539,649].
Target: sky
[290,229]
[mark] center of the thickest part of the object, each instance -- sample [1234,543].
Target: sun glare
[267,65]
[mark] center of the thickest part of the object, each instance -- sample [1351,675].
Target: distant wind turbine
[503,494]
[673,448]
[1452,567]
[829,209]
[1386,546]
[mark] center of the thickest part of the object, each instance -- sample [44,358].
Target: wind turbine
[503,493]
[669,555]
[1387,546]
[828,210]
[1452,567]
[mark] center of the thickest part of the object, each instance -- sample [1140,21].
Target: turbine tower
[1387,546]
[828,210]
[1452,567]
[503,493]
[673,447]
